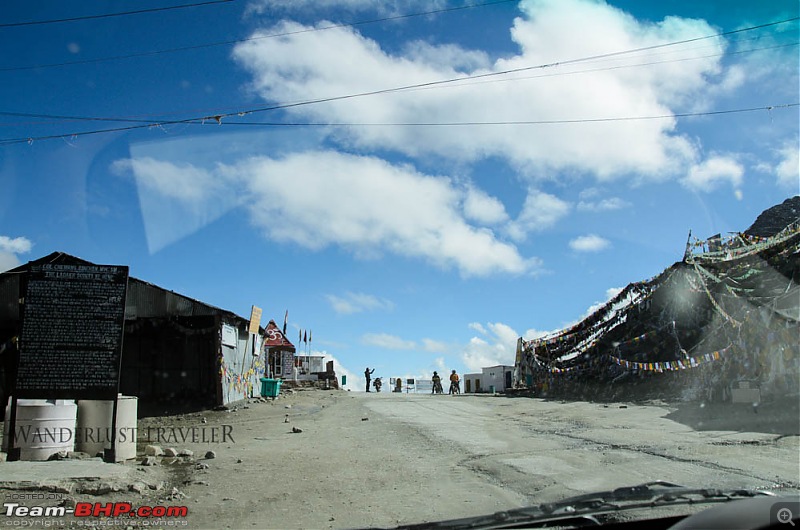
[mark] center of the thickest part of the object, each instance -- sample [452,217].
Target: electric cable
[247,39]
[132,119]
[109,15]
[220,116]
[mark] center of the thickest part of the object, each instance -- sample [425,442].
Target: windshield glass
[372,263]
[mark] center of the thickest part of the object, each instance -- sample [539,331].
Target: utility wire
[218,120]
[248,39]
[109,15]
[490,74]
[131,119]
[523,122]
[623,66]
[219,117]
[451,81]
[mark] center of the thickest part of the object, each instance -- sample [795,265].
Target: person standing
[454,386]
[437,384]
[368,376]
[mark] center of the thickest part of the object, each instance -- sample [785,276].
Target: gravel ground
[335,459]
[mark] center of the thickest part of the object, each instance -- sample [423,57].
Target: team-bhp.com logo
[95,509]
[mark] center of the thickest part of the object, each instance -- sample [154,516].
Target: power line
[248,39]
[217,119]
[636,65]
[130,119]
[450,81]
[109,15]
[526,122]
[220,116]
[62,117]
[492,74]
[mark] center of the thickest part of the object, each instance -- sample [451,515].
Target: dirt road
[386,459]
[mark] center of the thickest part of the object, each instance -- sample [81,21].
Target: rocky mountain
[715,320]
[773,220]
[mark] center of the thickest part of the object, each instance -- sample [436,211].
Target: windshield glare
[367,264]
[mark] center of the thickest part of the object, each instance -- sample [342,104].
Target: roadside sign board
[255,320]
[73,321]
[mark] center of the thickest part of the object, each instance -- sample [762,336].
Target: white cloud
[393,342]
[354,381]
[17,245]
[708,175]
[341,61]
[603,205]
[477,326]
[384,7]
[590,201]
[390,342]
[447,55]
[611,292]
[321,198]
[540,211]
[483,208]
[788,169]
[357,303]
[536,333]
[434,346]
[365,204]
[9,248]
[8,261]
[589,243]
[440,364]
[499,347]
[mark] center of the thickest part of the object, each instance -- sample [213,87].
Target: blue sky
[434,182]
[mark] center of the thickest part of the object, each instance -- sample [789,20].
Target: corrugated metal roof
[147,300]
[143,299]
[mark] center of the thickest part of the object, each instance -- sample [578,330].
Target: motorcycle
[377,384]
[454,387]
[437,387]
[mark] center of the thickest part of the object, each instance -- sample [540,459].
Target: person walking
[368,376]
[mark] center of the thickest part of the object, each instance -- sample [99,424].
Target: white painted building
[472,383]
[491,379]
[497,378]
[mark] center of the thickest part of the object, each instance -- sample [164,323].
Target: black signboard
[72,326]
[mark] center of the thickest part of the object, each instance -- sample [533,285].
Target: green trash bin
[270,387]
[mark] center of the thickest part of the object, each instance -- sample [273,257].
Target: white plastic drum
[43,428]
[94,426]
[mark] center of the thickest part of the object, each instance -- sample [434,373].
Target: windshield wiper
[648,495]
